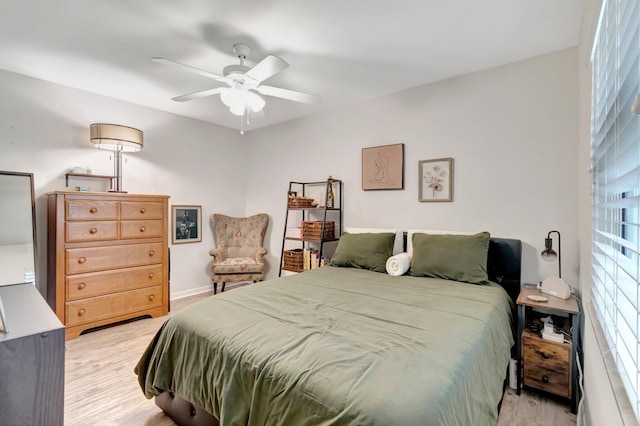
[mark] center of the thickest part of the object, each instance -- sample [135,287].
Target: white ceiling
[345,51]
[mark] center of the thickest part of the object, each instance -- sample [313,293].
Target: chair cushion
[237,265]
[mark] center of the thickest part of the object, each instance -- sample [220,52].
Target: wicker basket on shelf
[293,260]
[312,230]
[300,202]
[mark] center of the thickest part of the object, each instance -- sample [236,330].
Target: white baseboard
[191,292]
[205,289]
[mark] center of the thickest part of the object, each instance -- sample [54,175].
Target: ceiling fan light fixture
[255,102]
[229,96]
[237,109]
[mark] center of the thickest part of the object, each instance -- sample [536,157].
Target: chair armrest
[259,253]
[217,255]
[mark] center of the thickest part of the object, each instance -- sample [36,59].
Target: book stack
[312,259]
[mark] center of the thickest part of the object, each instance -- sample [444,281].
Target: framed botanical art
[435,180]
[383,167]
[187,224]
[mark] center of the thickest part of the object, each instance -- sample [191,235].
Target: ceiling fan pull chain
[241,125]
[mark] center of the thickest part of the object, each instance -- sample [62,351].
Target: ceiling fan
[243,84]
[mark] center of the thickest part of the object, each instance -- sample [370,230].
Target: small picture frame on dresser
[187,224]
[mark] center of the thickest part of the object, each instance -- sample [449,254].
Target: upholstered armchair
[239,254]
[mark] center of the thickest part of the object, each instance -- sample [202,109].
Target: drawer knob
[151,297]
[151,253]
[82,260]
[142,210]
[93,210]
[81,286]
[143,228]
[545,379]
[82,311]
[151,275]
[93,230]
[545,355]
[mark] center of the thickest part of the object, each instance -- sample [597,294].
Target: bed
[339,345]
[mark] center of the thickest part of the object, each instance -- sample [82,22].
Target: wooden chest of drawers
[108,258]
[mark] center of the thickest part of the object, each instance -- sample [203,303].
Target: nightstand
[545,364]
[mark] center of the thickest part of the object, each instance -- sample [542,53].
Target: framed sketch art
[187,224]
[436,180]
[383,167]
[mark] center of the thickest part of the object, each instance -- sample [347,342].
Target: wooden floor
[101,388]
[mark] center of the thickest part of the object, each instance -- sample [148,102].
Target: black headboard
[503,263]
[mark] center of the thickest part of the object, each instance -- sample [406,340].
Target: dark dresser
[31,360]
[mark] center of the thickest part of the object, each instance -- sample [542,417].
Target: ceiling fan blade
[269,66]
[291,95]
[190,69]
[198,95]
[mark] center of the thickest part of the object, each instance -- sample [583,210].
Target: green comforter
[338,346]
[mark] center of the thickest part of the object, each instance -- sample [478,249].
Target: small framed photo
[187,224]
[436,180]
[383,167]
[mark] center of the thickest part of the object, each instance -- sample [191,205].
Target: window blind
[615,133]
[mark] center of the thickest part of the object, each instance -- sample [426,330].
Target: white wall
[44,129]
[511,130]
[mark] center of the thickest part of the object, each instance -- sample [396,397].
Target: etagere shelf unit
[319,224]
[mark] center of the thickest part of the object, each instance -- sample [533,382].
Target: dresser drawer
[91,231]
[141,229]
[90,259]
[103,307]
[91,210]
[547,366]
[93,284]
[141,210]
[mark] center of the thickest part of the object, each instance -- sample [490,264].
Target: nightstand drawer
[547,366]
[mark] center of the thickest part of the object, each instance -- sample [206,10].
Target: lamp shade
[113,137]
[548,254]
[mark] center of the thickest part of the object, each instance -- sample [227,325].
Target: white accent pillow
[397,244]
[410,233]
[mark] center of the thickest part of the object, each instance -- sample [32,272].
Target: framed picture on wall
[187,224]
[435,180]
[383,167]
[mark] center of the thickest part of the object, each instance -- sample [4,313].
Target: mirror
[18,231]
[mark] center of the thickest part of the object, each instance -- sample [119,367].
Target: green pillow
[452,257]
[364,251]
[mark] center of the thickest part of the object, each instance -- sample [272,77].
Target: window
[615,133]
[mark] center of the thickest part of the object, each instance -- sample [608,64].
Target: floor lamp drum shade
[113,137]
[119,139]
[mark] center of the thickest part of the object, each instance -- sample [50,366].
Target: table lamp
[119,139]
